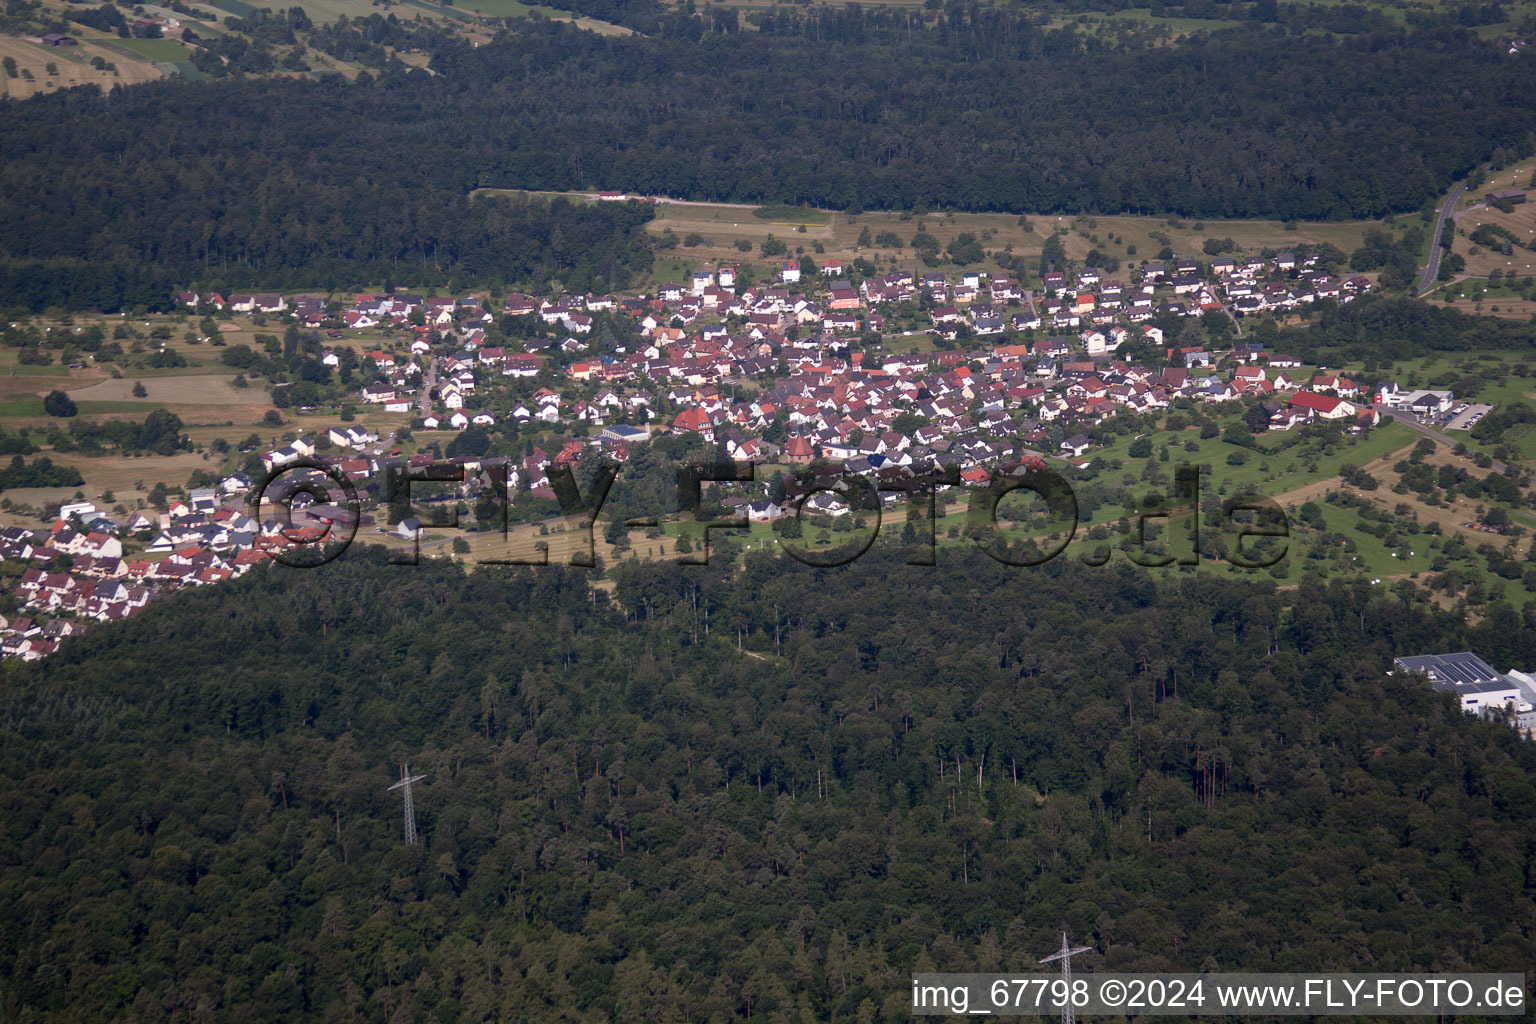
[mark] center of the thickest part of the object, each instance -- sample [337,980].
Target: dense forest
[741,791]
[253,201]
[267,183]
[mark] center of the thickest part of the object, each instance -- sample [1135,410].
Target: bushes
[167,359]
[1357,477]
[59,404]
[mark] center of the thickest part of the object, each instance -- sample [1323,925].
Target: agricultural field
[602,28]
[200,389]
[325,11]
[1274,472]
[72,66]
[145,59]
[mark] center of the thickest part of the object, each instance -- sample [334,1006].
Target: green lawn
[1175,25]
[1371,555]
[168,50]
[673,270]
[33,370]
[509,9]
[1283,476]
[325,11]
[1287,469]
[435,9]
[32,406]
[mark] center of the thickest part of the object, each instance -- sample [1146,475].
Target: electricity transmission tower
[1065,955]
[406,778]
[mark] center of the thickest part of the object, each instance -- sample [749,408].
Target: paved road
[1226,307]
[1427,277]
[428,382]
[667,200]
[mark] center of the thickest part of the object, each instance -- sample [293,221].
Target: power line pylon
[406,778]
[1065,955]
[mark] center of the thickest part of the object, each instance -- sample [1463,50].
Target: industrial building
[1478,685]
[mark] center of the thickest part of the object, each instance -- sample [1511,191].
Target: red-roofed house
[696,421]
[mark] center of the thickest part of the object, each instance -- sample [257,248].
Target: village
[808,371]
[694,341]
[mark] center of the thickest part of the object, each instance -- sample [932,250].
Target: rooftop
[1460,669]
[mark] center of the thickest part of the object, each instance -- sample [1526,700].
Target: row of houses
[75,579]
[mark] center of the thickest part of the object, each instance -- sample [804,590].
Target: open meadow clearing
[710,233]
[520,543]
[196,398]
[1517,227]
[192,389]
[1494,303]
[717,228]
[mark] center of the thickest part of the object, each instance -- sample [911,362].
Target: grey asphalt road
[1430,272]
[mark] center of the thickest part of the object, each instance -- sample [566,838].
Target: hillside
[771,793]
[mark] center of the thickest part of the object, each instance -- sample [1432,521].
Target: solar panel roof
[1459,669]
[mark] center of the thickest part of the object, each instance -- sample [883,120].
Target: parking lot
[1465,417]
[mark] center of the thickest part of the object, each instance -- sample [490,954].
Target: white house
[351,437]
